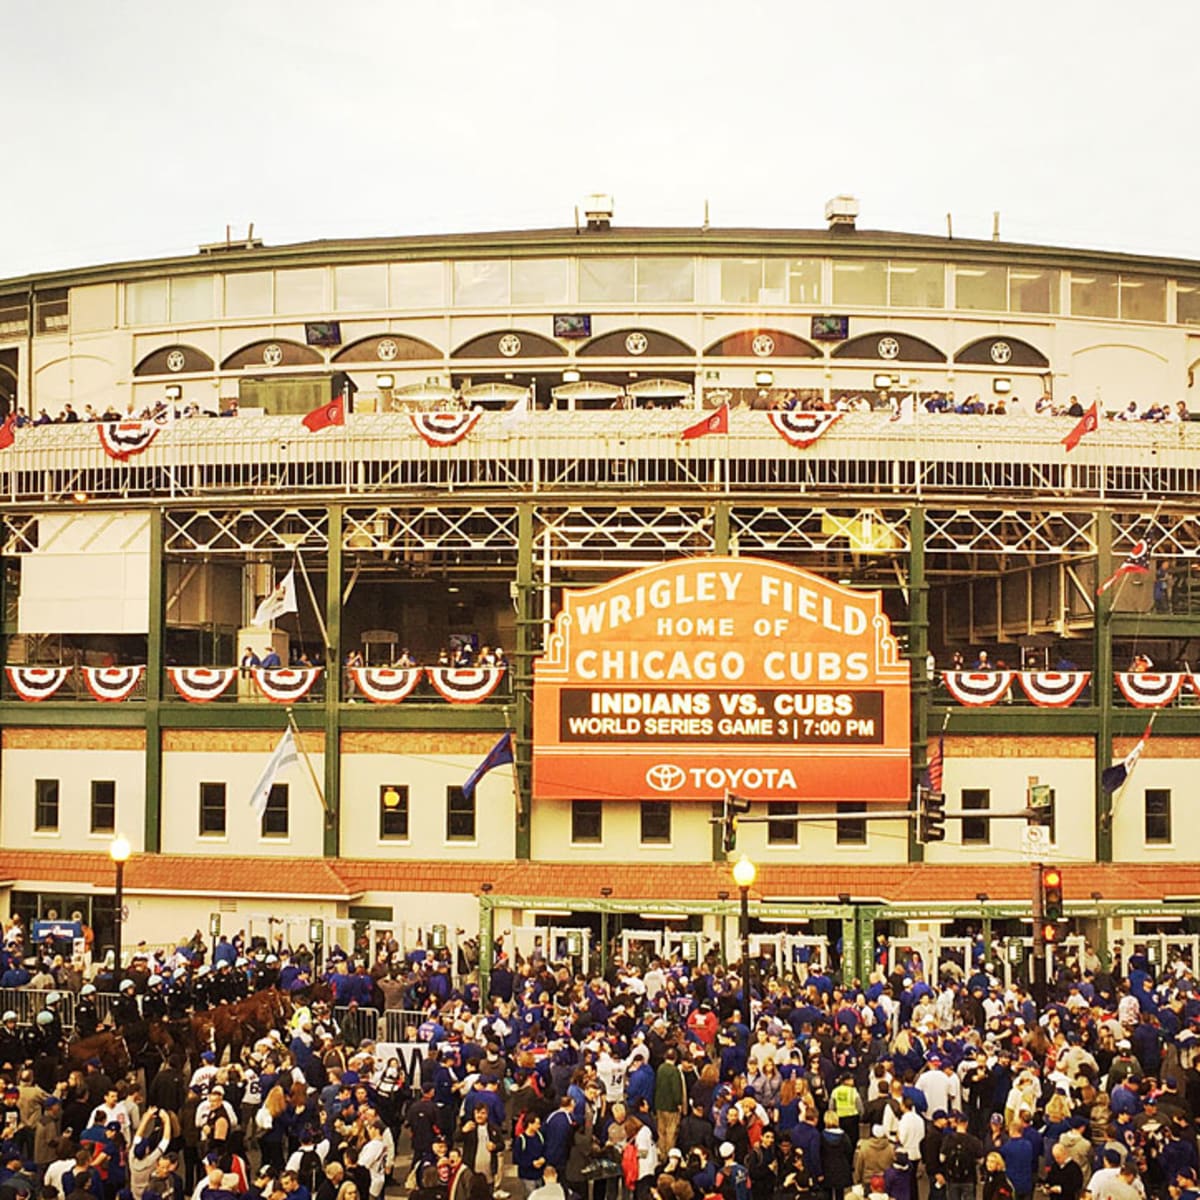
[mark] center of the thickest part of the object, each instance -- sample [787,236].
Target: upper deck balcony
[537,454]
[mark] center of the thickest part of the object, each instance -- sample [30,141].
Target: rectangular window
[976,831]
[1158,816]
[1187,304]
[14,316]
[804,281]
[147,302]
[482,283]
[981,288]
[300,291]
[192,298]
[541,281]
[104,806]
[587,821]
[1143,298]
[249,294]
[917,285]
[393,812]
[50,311]
[45,805]
[782,833]
[606,280]
[275,815]
[851,831]
[212,810]
[741,280]
[460,816]
[1031,291]
[1094,294]
[360,287]
[417,284]
[656,823]
[666,280]
[860,283]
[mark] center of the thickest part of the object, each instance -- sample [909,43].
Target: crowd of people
[660,1082]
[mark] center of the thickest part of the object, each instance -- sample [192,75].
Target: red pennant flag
[333,413]
[8,432]
[1088,423]
[716,421]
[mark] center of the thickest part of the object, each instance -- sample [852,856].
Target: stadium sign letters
[704,675]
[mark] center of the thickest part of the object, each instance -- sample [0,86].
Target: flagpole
[316,607]
[307,761]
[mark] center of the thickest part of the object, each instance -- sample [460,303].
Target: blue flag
[497,756]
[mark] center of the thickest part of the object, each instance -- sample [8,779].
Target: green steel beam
[1102,690]
[918,648]
[333,680]
[522,674]
[156,630]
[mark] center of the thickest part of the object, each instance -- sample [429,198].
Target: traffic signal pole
[1037,970]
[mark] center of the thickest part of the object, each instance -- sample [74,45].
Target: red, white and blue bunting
[199,685]
[111,684]
[444,428]
[978,687]
[386,685]
[36,683]
[465,685]
[123,439]
[1149,689]
[801,428]
[1055,689]
[285,684]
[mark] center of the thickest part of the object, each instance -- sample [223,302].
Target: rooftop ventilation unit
[841,212]
[598,209]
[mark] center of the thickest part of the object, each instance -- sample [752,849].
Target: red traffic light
[1050,933]
[1052,878]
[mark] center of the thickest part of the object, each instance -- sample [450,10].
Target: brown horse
[109,1048]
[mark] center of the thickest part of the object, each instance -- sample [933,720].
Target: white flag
[276,603]
[284,756]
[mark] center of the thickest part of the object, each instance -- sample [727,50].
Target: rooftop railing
[556,453]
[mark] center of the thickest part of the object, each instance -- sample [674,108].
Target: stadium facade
[584,350]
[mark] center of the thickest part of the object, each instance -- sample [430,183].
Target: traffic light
[1052,894]
[731,807]
[1050,933]
[931,816]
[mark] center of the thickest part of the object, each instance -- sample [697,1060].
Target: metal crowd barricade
[104,1002]
[398,1021]
[28,1002]
[364,1020]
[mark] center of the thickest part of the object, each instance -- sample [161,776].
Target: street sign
[1035,840]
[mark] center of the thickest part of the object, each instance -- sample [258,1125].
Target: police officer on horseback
[87,1016]
[154,1003]
[125,1010]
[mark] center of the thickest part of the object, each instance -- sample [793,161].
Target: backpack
[308,1169]
[630,1165]
[740,1177]
[959,1162]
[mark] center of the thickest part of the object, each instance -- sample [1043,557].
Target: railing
[391,1025]
[28,1002]
[532,453]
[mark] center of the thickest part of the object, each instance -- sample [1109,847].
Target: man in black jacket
[960,1156]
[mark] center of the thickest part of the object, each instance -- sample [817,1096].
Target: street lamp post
[119,851]
[744,873]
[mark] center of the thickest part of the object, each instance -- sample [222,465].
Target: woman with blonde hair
[272,1124]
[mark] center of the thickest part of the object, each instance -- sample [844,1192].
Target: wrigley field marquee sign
[682,681]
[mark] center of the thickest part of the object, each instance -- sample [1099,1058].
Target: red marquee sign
[682,681]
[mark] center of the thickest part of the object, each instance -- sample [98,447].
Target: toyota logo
[666,777]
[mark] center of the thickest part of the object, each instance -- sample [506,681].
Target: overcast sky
[135,129]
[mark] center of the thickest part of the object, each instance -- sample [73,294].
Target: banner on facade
[688,679]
